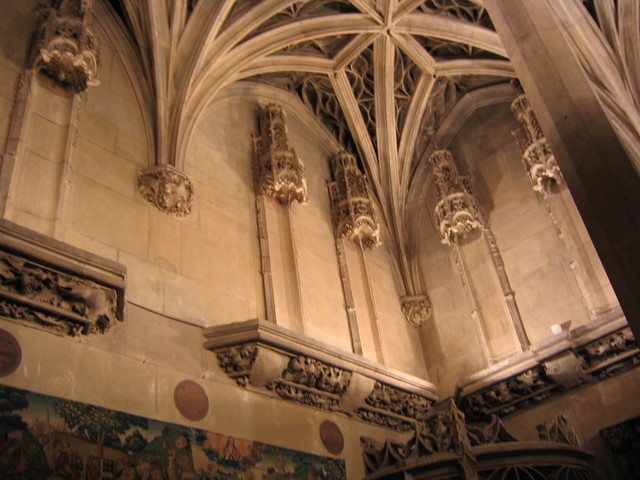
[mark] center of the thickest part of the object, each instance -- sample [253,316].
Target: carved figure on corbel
[416,309]
[65,47]
[55,301]
[351,205]
[167,189]
[278,171]
[457,212]
[537,157]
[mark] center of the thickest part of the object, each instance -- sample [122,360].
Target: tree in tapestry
[48,438]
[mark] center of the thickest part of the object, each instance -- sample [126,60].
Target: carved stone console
[416,309]
[570,360]
[65,47]
[261,356]
[167,189]
[55,287]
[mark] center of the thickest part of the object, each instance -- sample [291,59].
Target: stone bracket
[572,359]
[55,287]
[264,357]
[167,189]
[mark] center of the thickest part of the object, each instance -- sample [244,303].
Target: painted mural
[48,438]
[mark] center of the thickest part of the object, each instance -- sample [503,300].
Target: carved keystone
[167,189]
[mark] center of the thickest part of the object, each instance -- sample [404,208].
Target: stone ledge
[262,355]
[57,287]
[568,360]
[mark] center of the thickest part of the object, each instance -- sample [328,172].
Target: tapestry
[49,438]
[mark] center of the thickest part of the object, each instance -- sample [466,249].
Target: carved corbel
[416,309]
[351,206]
[457,211]
[167,189]
[537,157]
[65,47]
[278,170]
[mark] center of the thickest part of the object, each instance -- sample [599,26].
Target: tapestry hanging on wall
[44,438]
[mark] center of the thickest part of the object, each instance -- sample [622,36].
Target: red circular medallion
[191,400]
[331,437]
[10,353]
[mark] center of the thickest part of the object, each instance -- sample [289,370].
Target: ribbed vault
[381,74]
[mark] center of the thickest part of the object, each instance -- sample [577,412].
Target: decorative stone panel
[351,205]
[65,47]
[278,171]
[537,157]
[52,286]
[167,189]
[262,356]
[416,309]
[551,370]
[457,211]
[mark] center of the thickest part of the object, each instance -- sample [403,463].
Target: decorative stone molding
[55,287]
[65,47]
[537,157]
[267,358]
[445,445]
[547,371]
[416,309]
[278,170]
[167,189]
[558,429]
[457,211]
[351,205]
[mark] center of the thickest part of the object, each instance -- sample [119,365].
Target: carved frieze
[60,299]
[278,170]
[457,211]
[262,356]
[167,189]
[416,309]
[351,206]
[65,47]
[537,157]
[585,359]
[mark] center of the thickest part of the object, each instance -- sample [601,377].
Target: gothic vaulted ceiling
[381,74]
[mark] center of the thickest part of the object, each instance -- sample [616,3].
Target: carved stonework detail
[290,374]
[278,170]
[583,361]
[457,211]
[416,309]
[399,402]
[167,189]
[351,205]
[558,429]
[537,157]
[237,362]
[65,47]
[55,301]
